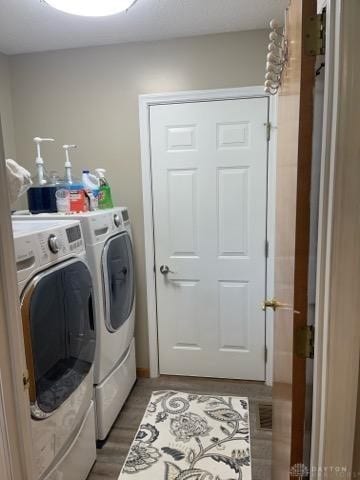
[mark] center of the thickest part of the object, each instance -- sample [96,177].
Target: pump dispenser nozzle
[39,162]
[68,165]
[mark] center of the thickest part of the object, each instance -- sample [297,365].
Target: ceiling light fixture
[91,8]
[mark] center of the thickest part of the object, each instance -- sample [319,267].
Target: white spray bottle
[68,166]
[39,162]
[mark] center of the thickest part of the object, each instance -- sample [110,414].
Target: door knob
[164,269]
[274,305]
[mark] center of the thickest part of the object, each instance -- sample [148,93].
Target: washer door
[57,312]
[119,281]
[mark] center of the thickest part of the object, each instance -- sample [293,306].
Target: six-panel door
[209,173]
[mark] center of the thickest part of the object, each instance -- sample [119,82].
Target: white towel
[19,179]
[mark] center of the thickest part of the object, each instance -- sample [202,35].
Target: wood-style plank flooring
[113,453]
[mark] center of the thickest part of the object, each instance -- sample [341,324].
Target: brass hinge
[26,380]
[315,34]
[304,342]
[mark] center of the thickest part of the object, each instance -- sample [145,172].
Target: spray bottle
[105,199]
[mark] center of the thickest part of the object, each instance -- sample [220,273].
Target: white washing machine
[56,296]
[108,239]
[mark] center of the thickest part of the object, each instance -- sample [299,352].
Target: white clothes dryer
[56,296]
[109,250]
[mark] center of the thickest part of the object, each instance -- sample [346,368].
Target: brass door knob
[272,303]
[275,304]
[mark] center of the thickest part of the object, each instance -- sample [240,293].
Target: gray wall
[89,96]
[6,112]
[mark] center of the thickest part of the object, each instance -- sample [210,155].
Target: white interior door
[209,174]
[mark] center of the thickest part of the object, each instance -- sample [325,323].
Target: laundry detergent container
[41,198]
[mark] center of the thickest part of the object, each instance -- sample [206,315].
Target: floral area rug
[184,436]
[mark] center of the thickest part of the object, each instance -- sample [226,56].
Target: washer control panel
[103,225]
[38,243]
[60,241]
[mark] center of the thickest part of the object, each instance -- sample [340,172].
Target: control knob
[117,220]
[53,243]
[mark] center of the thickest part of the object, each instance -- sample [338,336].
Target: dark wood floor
[112,455]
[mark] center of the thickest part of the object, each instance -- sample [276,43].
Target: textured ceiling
[31,25]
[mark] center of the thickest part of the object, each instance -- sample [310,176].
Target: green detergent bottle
[105,199]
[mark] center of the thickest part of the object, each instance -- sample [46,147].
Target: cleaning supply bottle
[78,202]
[91,186]
[41,196]
[105,199]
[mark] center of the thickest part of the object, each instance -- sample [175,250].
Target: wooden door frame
[338,328]
[192,96]
[15,428]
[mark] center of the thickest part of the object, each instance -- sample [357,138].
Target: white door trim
[324,234]
[145,102]
[333,442]
[15,429]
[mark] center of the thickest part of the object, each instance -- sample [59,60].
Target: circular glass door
[119,281]
[57,311]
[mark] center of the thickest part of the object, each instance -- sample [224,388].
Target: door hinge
[304,339]
[267,248]
[26,380]
[315,34]
[266,354]
[268,131]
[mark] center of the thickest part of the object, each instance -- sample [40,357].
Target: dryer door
[119,281]
[57,312]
